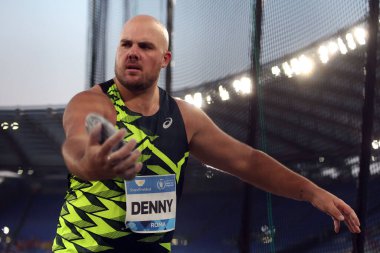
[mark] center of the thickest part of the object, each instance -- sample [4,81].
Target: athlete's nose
[133,53]
[133,57]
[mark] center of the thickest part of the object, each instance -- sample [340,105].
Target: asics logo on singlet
[167,123]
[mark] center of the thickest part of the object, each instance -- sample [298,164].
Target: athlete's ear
[166,59]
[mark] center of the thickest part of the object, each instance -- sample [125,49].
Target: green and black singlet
[93,215]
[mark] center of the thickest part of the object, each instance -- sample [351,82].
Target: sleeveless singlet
[92,218]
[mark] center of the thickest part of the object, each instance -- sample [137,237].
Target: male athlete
[125,200]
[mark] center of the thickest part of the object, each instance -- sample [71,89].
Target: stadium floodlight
[360,35]
[295,65]
[350,41]
[5,230]
[189,98]
[15,126]
[243,86]
[323,54]
[208,99]
[223,93]
[198,101]
[246,85]
[342,46]
[276,71]
[333,47]
[376,144]
[306,64]
[287,69]
[374,169]
[195,99]
[330,172]
[4,125]
[236,85]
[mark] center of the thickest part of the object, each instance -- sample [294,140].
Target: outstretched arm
[214,147]
[84,156]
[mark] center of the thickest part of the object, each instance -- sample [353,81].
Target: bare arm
[82,153]
[214,147]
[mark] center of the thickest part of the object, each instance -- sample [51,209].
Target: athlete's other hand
[337,209]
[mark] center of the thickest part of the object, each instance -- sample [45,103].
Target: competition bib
[151,203]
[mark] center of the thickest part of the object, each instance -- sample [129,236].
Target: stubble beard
[133,86]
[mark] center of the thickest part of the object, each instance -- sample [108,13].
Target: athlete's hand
[99,162]
[337,209]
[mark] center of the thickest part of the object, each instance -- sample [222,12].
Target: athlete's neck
[145,102]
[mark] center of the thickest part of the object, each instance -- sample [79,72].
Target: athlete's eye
[126,43]
[146,45]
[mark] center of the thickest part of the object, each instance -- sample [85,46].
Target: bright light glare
[276,71]
[223,93]
[189,99]
[323,54]
[375,144]
[287,69]
[330,172]
[295,64]
[333,47]
[360,35]
[306,64]
[5,230]
[374,169]
[342,46]
[5,125]
[198,99]
[15,126]
[195,100]
[208,99]
[244,85]
[236,85]
[350,41]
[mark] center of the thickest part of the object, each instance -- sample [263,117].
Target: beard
[134,86]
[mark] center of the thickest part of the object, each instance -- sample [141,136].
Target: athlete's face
[141,53]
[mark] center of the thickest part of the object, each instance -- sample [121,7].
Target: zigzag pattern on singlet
[93,213]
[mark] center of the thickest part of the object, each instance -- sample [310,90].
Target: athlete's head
[142,52]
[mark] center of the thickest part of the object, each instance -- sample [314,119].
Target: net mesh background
[311,123]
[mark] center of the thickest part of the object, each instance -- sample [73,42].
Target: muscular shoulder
[93,99]
[85,102]
[187,110]
[193,117]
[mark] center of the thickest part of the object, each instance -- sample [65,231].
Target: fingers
[352,222]
[336,225]
[123,163]
[122,153]
[338,210]
[350,217]
[112,141]
[105,163]
[343,212]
